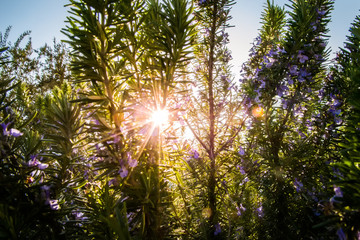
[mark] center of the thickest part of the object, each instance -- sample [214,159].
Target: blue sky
[45,18]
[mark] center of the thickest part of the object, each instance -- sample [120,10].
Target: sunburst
[160,117]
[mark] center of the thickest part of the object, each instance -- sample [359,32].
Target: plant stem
[211,152]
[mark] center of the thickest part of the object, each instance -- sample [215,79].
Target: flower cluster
[335,108]
[46,195]
[240,209]
[202,2]
[12,132]
[34,162]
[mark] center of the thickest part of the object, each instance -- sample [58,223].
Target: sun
[160,117]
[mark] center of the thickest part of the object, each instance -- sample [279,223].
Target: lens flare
[206,212]
[258,112]
[160,117]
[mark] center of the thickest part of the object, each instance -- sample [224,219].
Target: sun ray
[147,138]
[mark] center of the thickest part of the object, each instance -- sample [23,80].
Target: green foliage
[116,60]
[54,66]
[283,82]
[273,23]
[107,214]
[82,158]
[214,121]
[23,213]
[345,204]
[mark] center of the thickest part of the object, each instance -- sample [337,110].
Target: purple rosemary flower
[338,192]
[202,2]
[298,185]
[259,211]
[280,50]
[302,58]
[290,81]
[113,181]
[227,56]
[99,147]
[123,172]
[194,154]
[33,162]
[303,74]
[241,169]
[302,135]
[258,41]
[314,27]
[321,12]
[245,180]
[12,132]
[337,120]
[319,57]
[285,103]
[78,215]
[241,151]
[256,72]
[293,70]
[336,103]
[262,83]
[225,36]
[15,133]
[341,234]
[54,204]
[323,44]
[272,53]
[281,90]
[217,229]
[4,127]
[131,161]
[240,209]
[42,166]
[334,111]
[270,62]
